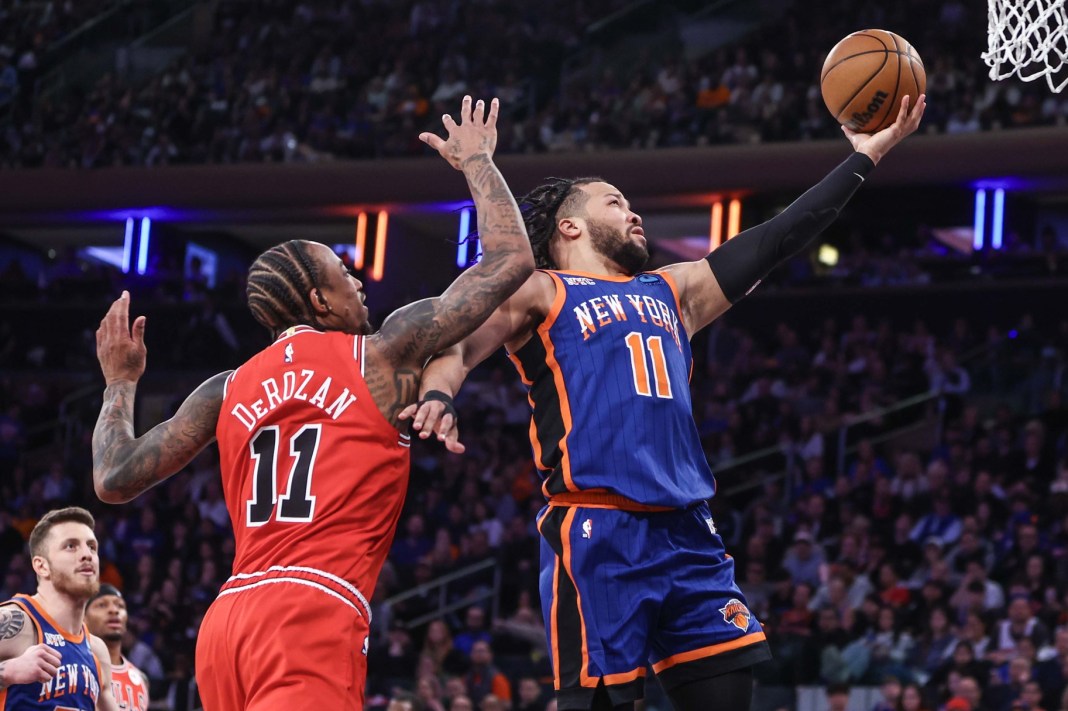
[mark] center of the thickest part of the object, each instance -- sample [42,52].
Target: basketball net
[1028,38]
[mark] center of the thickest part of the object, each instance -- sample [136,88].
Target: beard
[76,586]
[629,255]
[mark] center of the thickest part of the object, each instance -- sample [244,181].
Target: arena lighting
[462,237]
[827,255]
[715,231]
[999,218]
[127,246]
[978,236]
[734,217]
[361,240]
[142,247]
[379,266]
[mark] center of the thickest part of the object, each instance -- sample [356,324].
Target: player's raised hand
[876,145]
[37,664]
[120,350]
[433,417]
[475,134]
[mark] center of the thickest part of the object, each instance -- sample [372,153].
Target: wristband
[442,397]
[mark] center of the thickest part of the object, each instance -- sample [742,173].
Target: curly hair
[544,205]
[278,285]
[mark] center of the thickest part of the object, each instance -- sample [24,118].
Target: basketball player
[106,616]
[43,663]
[633,572]
[314,464]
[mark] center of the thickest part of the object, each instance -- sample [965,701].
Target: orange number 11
[641,369]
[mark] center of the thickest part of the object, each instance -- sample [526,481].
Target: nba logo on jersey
[288,358]
[736,613]
[711,525]
[587,528]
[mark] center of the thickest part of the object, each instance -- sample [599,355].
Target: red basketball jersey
[313,475]
[129,686]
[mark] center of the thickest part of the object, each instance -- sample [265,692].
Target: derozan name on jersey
[295,386]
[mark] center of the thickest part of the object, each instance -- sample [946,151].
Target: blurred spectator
[484,679]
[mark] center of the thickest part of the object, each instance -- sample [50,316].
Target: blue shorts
[622,590]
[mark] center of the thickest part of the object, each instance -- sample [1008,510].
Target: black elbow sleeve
[741,263]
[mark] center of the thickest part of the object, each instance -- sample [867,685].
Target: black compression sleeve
[740,263]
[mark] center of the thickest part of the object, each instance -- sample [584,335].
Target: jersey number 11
[655,346]
[297,504]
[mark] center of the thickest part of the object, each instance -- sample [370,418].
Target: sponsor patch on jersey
[579,281]
[649,279]
[736,613]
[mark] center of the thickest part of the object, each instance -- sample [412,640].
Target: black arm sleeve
[741,262]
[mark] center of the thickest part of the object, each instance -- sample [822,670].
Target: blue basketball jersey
[608,377]
[77,683]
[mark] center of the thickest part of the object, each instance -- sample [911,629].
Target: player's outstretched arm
[414,333]
[709,286]
[125,465]
[509,325]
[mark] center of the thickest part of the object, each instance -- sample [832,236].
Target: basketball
[866,74]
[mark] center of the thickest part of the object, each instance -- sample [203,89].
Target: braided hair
[278,285]
[544,205]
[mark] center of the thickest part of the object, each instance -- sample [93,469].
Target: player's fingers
[921,106]
[446,424]
[51,654]
[139,330]
[465,109]
[903,112]
[479,114]
[122,310]
[495,108]
[406,413]
[432,140]
[427,418]
[453,444]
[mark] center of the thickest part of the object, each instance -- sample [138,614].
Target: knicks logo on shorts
[736,613]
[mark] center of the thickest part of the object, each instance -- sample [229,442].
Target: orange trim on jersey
[3,697]
[40,633]
[565,541]
[558,377]
[601,499]
[673,285]
[623,677]
[590,275]
[532,431]
[709,651]
[44,613]
[554,633]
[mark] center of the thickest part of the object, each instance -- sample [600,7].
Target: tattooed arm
[412,334]
[124,465]
[22,661]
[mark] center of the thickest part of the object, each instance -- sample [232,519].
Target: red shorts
[282,646]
